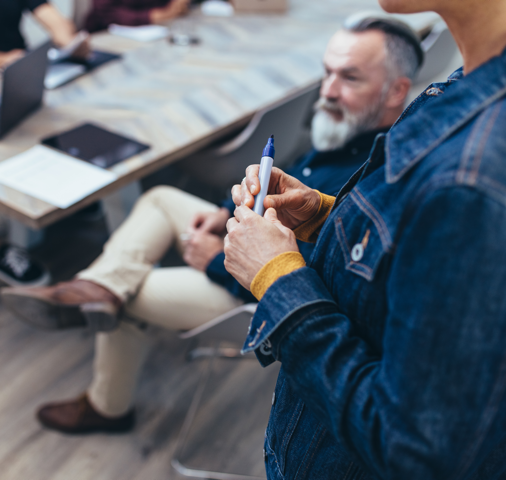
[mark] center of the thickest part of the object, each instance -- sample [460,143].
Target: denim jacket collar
[441,117]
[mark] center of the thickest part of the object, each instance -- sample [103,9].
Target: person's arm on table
[6,58]
[173,9]
[61,29]
[430,404]
[106,12]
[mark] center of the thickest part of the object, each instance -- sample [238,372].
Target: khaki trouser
[175,298]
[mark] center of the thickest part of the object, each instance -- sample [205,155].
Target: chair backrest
[224,165]
[81,10]
[229,327]
[440,48]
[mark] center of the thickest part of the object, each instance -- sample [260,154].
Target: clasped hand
[205,238]
[253,241]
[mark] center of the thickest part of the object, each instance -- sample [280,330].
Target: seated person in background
[133,12]
[12,43]
[368,76]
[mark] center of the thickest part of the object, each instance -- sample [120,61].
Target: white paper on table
[217,8]
[53,177]
[145,33]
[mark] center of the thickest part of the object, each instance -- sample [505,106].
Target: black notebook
[95,145]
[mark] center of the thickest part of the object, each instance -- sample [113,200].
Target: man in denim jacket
[393,338]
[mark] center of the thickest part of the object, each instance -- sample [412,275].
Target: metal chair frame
[230,327]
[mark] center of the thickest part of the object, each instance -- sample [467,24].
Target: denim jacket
[393,339]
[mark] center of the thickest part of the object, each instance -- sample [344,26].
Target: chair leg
[200,353]
[187,424]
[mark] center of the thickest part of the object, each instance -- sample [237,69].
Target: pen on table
[264,175]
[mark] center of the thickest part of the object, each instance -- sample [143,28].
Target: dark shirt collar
[446,108]
[354,148]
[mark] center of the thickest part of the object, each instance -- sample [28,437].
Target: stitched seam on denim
[473,174]
[276,458]
[362,475]
[352,464]
[468,148]
[278,324]
[343,241]
[353,471]
[360,269]
[408,109]
[489,183]
[345,247]
[449,133]
[448,181]
[289,432]
[319,435]
[488,415]
[373,214]
[295,325]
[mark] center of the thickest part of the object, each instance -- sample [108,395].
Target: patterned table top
[179,99]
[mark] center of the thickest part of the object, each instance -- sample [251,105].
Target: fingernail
[253,189]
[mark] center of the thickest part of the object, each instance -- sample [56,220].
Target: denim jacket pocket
[363,236]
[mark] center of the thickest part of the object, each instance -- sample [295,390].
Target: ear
[398,92]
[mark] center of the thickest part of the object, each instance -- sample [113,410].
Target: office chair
[440,49]
[223,165]
[81,10]
[230,327]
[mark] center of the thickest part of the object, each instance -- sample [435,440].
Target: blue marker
[264,175]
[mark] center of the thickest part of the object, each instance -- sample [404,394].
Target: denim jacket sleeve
[396,408]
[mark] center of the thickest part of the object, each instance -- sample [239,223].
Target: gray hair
[404,53]
[401,57]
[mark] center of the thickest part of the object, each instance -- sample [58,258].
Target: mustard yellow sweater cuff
[309,231]
[279,266]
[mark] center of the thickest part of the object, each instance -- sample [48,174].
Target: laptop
[22,87]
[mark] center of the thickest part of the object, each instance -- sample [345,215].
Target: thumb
[271,215]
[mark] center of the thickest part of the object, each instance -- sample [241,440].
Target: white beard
[327,133]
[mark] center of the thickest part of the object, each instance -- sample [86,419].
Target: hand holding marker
[264,175]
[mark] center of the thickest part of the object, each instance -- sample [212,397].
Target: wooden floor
[38,366]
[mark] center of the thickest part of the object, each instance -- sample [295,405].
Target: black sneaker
[18,269]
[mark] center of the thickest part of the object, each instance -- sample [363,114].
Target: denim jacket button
[433,91]
[266,348]
[273,398]
[306,172]
[357,252]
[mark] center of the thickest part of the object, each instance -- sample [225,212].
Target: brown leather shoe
[79,416]
[77,303]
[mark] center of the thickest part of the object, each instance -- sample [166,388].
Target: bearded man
[369,67]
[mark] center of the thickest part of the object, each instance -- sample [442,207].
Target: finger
[271,215]
[242,213]
[231,224]
[252,180]
[246,197]
[292,200]
[237,194]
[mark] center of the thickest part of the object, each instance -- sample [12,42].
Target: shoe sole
[43,314]
[124,428]
[44,280]
[100,317]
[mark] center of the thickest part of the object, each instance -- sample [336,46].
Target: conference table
[179,99]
